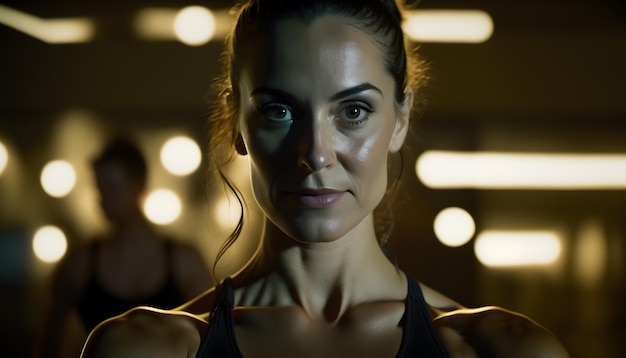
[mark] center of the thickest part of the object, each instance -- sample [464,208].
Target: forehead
[327,53]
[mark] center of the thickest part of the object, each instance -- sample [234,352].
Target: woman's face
[318,119]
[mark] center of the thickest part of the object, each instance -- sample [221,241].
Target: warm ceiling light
[494,170]
[454,226]
[49,244]
[227,212]
[194,25]
[58,178]
[52,31]
[191,25]
[4,157]
[155,23]
[455,26]
[162,207]
[517,248]
[181,155]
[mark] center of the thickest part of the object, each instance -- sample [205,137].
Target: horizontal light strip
[460,26]
[428,25]
[517,248]
[155,23]
[175,24]
[496,170]
[52,31]
[450,26]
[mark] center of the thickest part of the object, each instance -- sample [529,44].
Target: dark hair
[125,152]
[381,19]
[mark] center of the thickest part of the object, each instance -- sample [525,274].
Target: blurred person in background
[132,265]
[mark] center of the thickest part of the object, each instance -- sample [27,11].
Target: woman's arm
[496,332]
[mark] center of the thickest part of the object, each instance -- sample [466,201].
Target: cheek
[372,150]
[370,153]
[263,173]
[260,186]
[263,145]
[369,170]
[268,143]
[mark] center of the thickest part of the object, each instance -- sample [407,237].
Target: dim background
[552,78]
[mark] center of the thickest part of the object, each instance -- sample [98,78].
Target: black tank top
[419,338]
[96,304]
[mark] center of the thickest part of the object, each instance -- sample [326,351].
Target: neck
[134,229]
[327,278]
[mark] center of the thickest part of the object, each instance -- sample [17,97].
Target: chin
[309,231]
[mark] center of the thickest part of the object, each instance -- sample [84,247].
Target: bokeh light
[227,212]
[4,157]
[517,248]
[194,25]
[521,171]
[162,207]
[52,31]
[181,155]
[454,227]
[58,178]
[454,26]
[49,244]
[591,252]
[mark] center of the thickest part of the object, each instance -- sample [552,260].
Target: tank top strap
[224,296]
[219,340]
[420,338]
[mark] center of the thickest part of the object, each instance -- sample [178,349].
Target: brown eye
[354,113]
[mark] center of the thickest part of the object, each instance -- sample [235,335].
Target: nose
[316,149]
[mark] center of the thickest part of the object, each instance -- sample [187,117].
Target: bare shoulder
[438,301]
[496,332]
[146,332]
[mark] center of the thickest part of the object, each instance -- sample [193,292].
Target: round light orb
[227,212]
[194,25]
[162,207]
[4,157]
[181,155]
[58,178]
[454,227]
[49,244]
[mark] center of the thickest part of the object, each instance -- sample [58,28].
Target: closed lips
[316,198]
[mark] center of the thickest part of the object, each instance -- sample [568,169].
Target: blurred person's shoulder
[183,250]
[147,332]
[72,271]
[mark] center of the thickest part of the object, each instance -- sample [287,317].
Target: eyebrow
[337,96]
[354,90]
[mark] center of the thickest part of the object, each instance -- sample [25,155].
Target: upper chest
[368,330]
